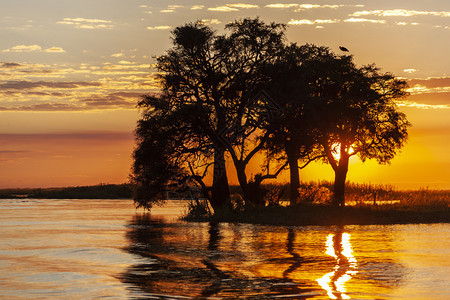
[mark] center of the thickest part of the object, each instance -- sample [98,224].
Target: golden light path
[338,246]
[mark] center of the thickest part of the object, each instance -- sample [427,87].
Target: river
[91,249]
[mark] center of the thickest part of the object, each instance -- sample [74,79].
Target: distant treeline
[101,191]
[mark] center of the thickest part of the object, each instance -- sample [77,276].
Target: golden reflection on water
[338,246]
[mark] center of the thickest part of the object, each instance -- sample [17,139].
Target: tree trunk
[220,191]
[294,183]
[242,178]
[340,175]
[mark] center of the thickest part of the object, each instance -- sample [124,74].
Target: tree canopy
[226,98]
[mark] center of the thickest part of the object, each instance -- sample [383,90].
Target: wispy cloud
[302,7]
[400,13]
[9,65]
[123,100]
[405,103]
[432,83]
[55,49]
[34,48]
[164,27]
[117,54]
[24,48]
[20,85]
[87,23]
[210,21]
[282,5]
[223,8]
[243,5]
[233,7]
[112,100]
[312,22]
[171,8]
[363,20]
[332,21]
[197,7]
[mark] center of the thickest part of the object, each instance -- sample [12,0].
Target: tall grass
[356,194]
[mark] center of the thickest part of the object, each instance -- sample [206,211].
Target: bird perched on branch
[343,49]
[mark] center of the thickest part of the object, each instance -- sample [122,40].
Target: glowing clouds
[232,7]
[162,27]
[33,48]
[400,13]
[87,23]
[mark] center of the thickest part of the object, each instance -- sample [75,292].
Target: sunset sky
[71,73]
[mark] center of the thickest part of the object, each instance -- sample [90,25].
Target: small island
[228,100]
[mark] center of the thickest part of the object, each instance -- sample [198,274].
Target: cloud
[55,49]
[332,21]
[210,21]
[197,7]
[164,27]
[34,48]
[439,98]
[223,8]
[7,65]
[124,100]
[112,100]
[400,13]
[422,105]
[117,55]
[431,83]
[311,22]
[24,48]
[242,5]
[282,5]
[87,23]
[175,6]
[410,71]
[302,7]
[233,7]
[20,85]
[43,107]
[363,20]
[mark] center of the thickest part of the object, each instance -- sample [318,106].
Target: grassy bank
[370,204]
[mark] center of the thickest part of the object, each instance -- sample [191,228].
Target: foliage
[355,112]
[208,107]
[229,97]
[197,210]
[313,193]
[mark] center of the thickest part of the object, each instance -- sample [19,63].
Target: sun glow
[336,151]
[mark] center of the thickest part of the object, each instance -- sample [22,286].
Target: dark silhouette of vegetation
[208,108]
[101,191]
[232,97]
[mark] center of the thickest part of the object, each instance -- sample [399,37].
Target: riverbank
[302,215]
[100,191]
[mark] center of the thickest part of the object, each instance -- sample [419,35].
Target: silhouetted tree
[355,113]
[209,102]
[293,135]
[168,152]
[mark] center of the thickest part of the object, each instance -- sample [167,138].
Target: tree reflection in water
[229,261]
[174,269]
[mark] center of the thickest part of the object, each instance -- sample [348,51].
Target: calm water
[88,249]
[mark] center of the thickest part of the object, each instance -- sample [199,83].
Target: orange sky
[71,73]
